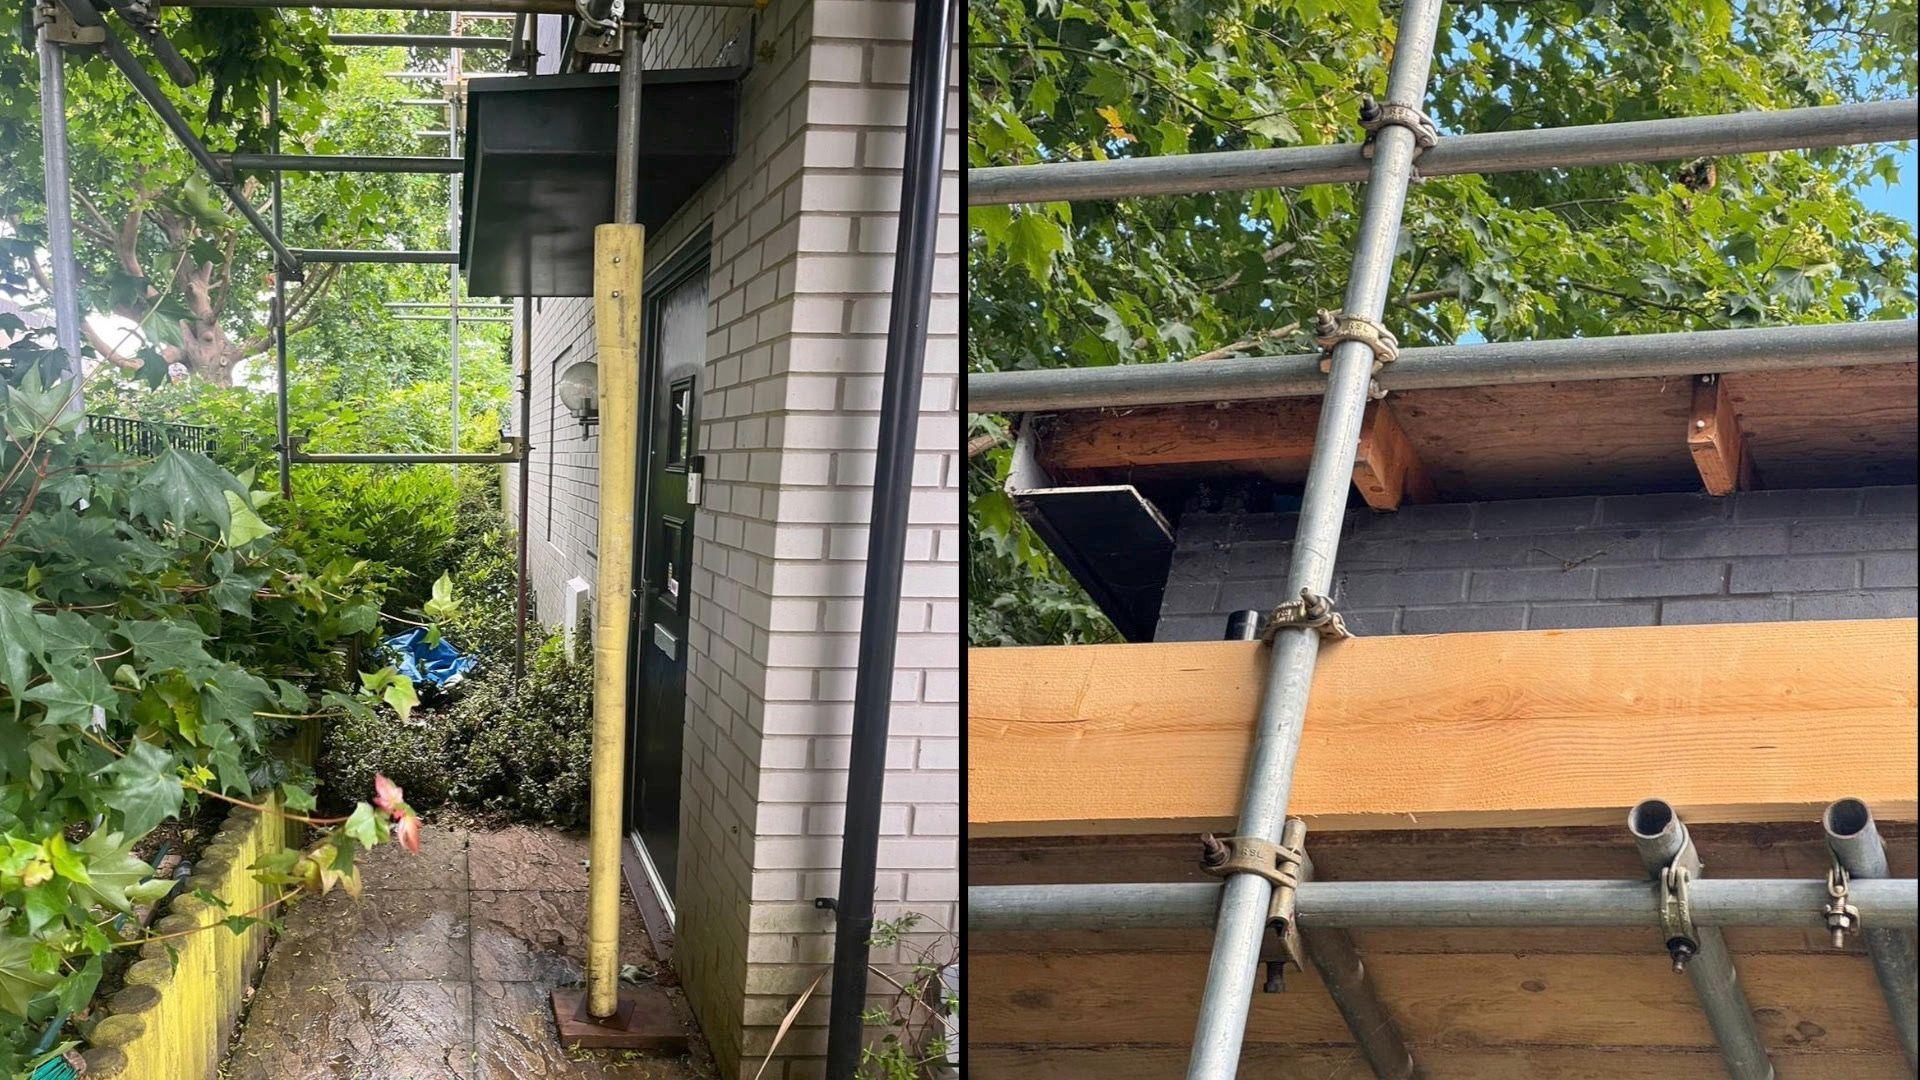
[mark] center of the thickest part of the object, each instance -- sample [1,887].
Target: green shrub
[485,747]
[528,753]
[415,754]
[490,749]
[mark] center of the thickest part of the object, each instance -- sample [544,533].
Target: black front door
[668,469]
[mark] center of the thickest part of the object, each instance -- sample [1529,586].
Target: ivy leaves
[156,636]
[145,788]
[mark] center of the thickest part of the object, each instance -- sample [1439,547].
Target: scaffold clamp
[1842,917]
[1282,912]
[1311,611]
[1375,115]
[1330,328]
[1676,911]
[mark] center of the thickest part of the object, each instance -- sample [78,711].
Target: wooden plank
[1271,438]
[1839,427]
[1713,437]
[1386,468]
[1828,427]
[1806,1001]
[1268,1062]
[1753,722]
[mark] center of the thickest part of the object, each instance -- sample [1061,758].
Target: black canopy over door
[669,465]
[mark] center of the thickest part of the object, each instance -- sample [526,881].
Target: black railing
[147,438]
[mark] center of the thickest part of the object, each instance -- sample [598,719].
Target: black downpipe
[886,543]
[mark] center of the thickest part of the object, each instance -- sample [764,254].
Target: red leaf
[387,795]
[407,832]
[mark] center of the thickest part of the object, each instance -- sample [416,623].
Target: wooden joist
[1265,438]
[1754,722]
[1715,440]
[1386,468]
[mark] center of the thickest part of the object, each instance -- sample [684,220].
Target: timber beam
[1387,469]
[1273,439]
[1752,722]
[1714,438]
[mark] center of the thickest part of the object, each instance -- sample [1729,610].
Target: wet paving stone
[541,935]
[432,976]
[441,864]
[407,934]
[358,1031]
[523,858]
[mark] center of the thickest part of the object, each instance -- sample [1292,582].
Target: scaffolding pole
[1243,905]
[468,7]
[1665,848]
[1630,356]
[523,477]
[453,241]
[283,448]
[1365,905]
[1484,153]
[1856,846]
[376,255]
[619,273]
[504,457]
[423,41]
[347,163]
[59,192]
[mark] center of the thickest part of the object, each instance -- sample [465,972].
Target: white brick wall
[802,225]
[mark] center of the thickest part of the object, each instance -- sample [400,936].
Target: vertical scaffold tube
[59,192]
[1661,838]
[282,447]
[1855,841]
[1243,904]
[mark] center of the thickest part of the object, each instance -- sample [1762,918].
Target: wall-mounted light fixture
[579,391]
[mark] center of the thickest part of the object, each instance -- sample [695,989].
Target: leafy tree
[161,248]
[1745,241]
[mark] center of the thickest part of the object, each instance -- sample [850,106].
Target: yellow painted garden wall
[172,1021]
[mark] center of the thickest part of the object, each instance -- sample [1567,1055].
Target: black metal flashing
[539,169]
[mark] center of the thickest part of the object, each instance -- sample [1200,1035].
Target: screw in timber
[1839,938]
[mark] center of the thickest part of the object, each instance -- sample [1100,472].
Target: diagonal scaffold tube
[1242,919]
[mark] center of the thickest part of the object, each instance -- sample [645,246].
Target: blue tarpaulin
[436,665]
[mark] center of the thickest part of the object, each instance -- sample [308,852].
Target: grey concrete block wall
[1544,564]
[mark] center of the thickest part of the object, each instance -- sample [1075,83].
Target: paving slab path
[441,970]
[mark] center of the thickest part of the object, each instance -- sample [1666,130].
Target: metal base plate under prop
[645,1020]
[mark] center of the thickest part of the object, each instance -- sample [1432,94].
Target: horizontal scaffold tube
[1352,905]
[374,255]
[1628,356]
[505,457]
[477,7]
[423,41]
[1484,153]
[338,163]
